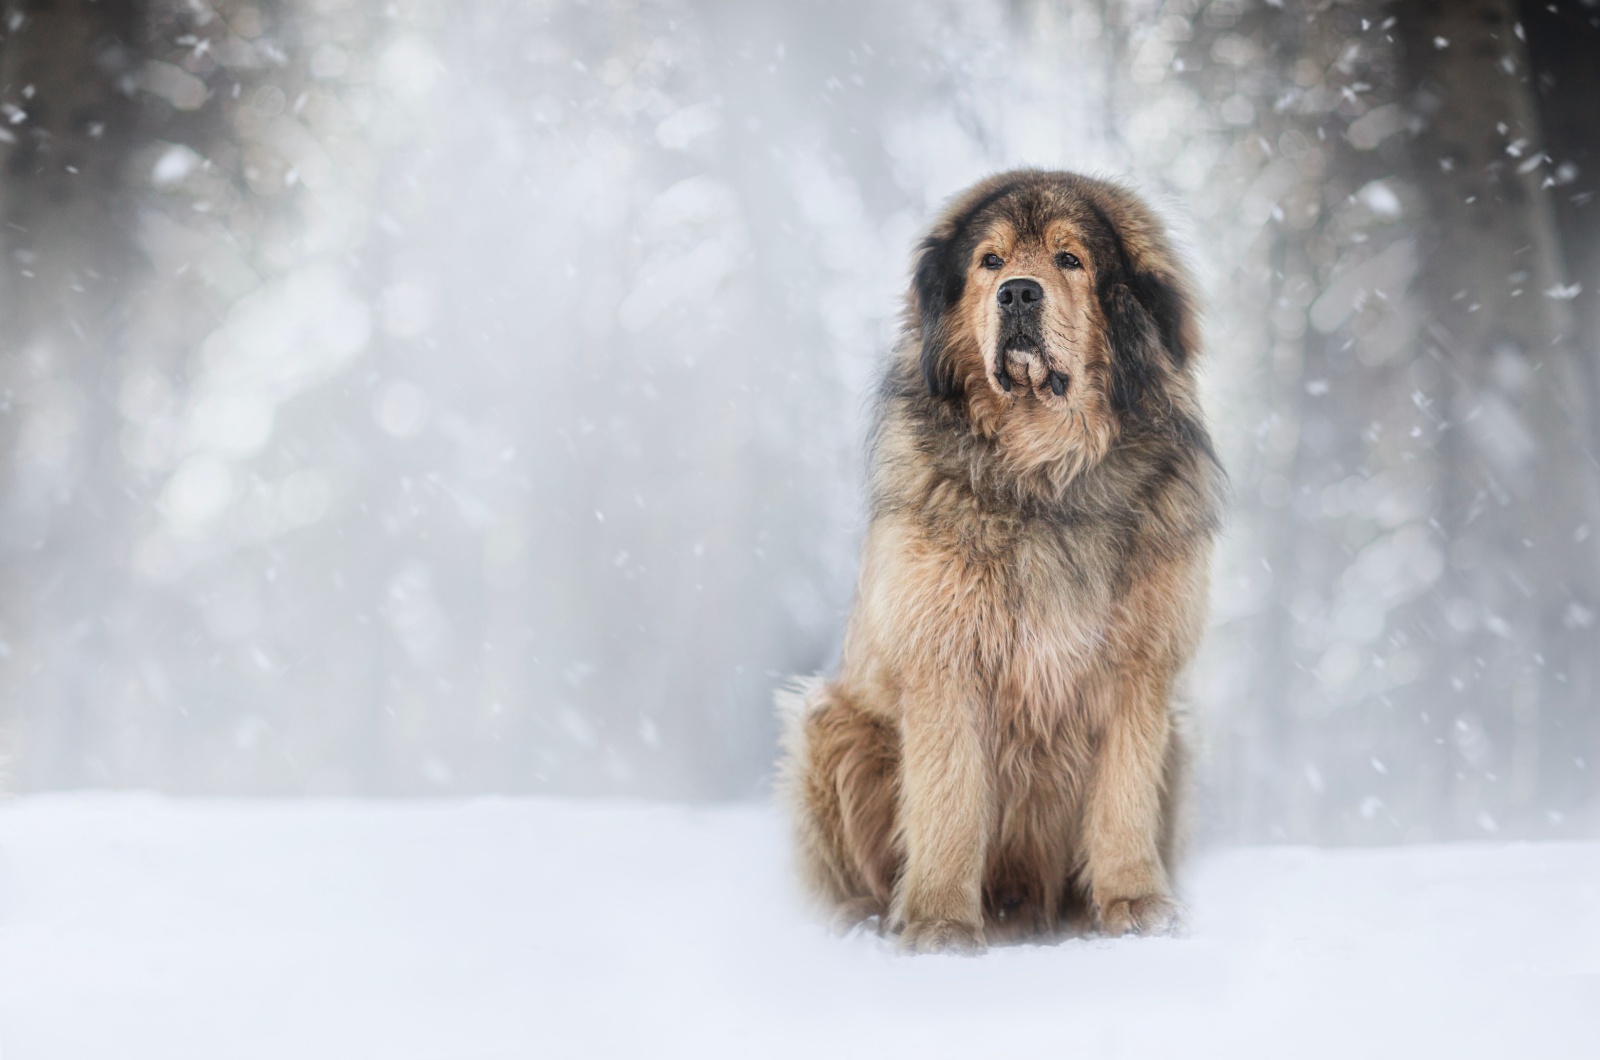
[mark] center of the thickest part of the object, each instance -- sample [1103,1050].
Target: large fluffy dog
[999,755]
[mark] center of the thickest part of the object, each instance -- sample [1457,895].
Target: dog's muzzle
[1022,360]
[1021,344]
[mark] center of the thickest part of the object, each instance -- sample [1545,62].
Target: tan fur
[998,756]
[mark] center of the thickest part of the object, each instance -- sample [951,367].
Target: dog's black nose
[1020,296]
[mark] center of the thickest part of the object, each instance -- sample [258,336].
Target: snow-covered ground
[134,926]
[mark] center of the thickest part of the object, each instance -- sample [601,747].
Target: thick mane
[926,438]
[922,445]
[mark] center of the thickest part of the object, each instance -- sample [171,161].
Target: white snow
[136,926]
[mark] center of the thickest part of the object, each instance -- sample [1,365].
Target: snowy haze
[481,405]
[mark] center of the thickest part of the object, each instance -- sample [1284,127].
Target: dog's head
[1053,308]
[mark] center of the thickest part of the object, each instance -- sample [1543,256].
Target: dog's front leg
[1127,881]
[945,815]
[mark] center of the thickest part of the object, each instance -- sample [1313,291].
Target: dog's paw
[942,936]
[1151,914]
[856,913]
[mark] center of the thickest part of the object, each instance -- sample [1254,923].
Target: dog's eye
[1068,260]
[992,261]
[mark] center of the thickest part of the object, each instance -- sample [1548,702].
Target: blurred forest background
[407,396]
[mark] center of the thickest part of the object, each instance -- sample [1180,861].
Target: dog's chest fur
[1020,601]
[1009,581]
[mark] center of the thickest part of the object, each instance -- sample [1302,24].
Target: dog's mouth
[1022,362]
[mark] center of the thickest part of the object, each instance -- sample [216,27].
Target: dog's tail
[794,700]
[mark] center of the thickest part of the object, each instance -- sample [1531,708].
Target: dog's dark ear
[1150,321]
[1135,349]
[1168,305]
[936,285]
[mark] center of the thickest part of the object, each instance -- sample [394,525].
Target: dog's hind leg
[841,768]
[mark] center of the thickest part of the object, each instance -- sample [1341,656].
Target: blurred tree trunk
[1563,42]
[1519,501]
[1405,297]
[68,77]
[1312,735]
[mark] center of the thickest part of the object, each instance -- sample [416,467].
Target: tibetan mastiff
[999,757]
